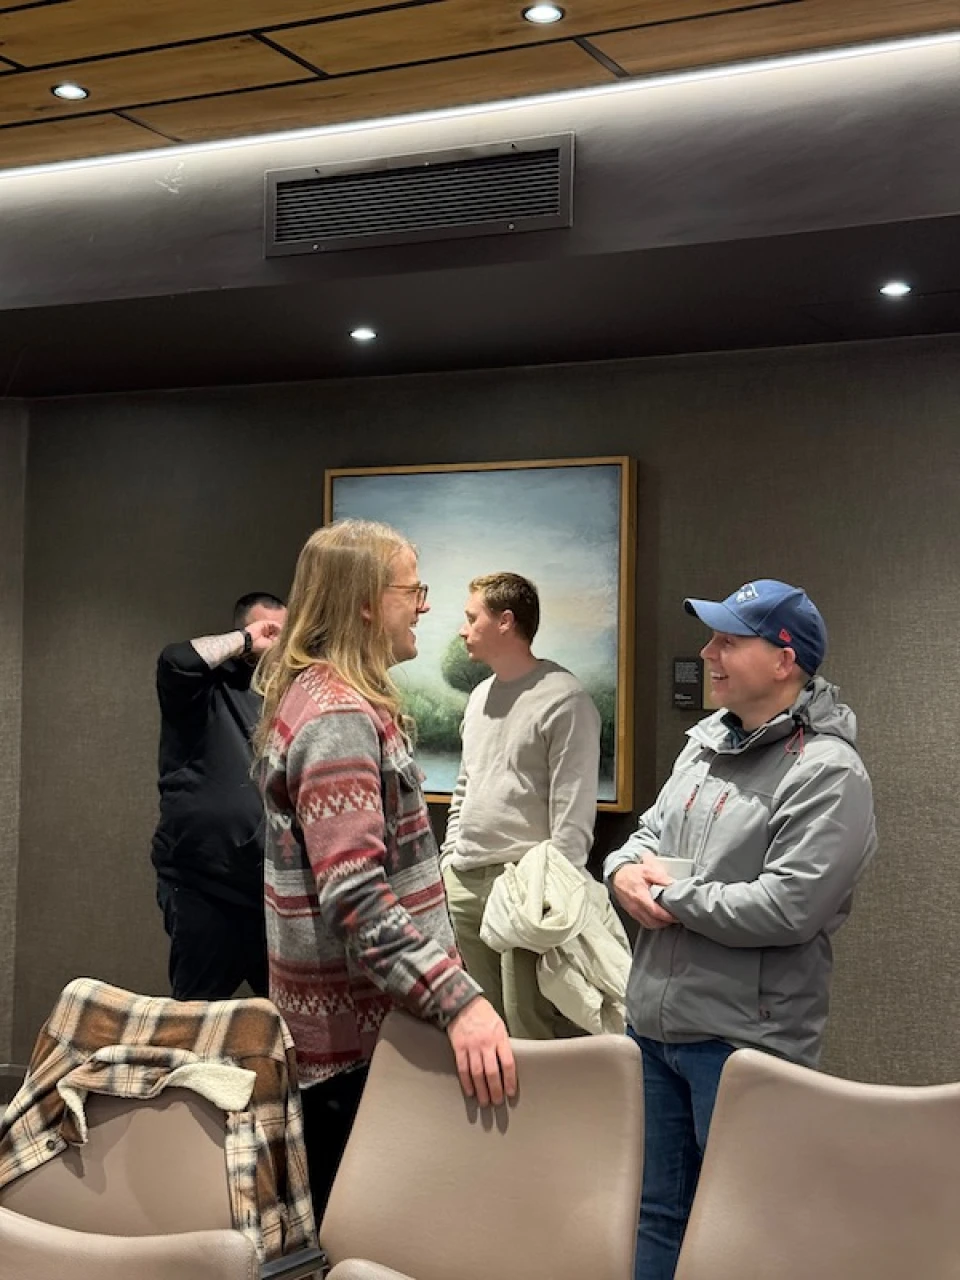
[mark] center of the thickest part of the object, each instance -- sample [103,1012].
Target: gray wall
[13,446]
[833,466]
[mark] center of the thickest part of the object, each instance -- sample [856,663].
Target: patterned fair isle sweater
[357,919]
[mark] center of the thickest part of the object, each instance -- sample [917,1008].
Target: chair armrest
[361,1269]
[305,1262]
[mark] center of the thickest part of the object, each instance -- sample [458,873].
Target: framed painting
[567,524]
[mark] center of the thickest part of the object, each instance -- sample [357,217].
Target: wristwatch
[247,641]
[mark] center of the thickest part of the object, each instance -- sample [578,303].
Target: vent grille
[524,186]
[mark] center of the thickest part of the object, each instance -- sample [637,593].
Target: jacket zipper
[682,842]
[684,830]
[708,826]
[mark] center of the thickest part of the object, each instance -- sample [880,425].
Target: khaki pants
[509,981]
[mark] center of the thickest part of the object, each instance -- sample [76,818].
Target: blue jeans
[679,1089]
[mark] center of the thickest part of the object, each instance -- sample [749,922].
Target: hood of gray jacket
[817,709]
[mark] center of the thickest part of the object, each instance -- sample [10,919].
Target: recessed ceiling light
[70,92]
[896,289]
[363,333]
[543,14]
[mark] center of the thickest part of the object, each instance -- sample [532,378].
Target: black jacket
[210,833]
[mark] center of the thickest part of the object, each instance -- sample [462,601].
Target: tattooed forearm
[216,649]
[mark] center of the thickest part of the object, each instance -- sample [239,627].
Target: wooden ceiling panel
[791,28]
[217,66]
[7,5]
[78,29]
[485,78]
[199,70]
[73,140]
[454,27]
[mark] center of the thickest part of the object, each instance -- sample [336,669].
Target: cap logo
[785,636]
[748,592]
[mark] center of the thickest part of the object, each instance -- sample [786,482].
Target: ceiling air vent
[439,195]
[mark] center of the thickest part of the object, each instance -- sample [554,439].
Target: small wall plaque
[688,684]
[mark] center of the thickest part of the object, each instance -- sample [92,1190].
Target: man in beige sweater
[528,773]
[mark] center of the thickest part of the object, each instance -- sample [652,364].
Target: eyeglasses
[420,588]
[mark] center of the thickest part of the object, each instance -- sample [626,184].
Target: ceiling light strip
[633,85]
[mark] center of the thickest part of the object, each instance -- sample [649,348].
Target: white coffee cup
[678,868]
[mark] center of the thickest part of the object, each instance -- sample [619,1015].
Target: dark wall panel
[13,445]
[837,467]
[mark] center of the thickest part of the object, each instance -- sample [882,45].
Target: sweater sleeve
[573,748]
[333,777]
[448,848]
[452,831]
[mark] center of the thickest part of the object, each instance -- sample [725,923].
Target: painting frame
[621,548]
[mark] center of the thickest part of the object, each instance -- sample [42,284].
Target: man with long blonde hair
[357,919]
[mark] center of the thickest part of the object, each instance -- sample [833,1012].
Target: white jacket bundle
[545,904]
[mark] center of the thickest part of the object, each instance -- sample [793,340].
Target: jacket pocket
[713,992]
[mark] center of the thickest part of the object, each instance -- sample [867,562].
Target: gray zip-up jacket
[780,827]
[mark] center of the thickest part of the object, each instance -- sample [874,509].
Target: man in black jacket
[208,845]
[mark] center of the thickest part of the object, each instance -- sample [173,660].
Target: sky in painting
[558,526]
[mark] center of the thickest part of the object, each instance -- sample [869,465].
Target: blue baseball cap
[772,610]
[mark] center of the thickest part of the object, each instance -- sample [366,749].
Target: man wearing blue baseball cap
[739,875]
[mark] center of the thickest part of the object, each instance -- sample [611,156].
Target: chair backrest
[148,1167]
[807,1175]
[360,1269]
[42,1252]
[545,1188]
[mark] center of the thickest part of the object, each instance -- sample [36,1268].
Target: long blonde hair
[335,616]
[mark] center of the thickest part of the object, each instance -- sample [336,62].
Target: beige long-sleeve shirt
[528,772]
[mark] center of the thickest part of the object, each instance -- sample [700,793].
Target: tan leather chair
[31,1250]
[358,1269]
[806,1175]
[546,1188]
[146,1195]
